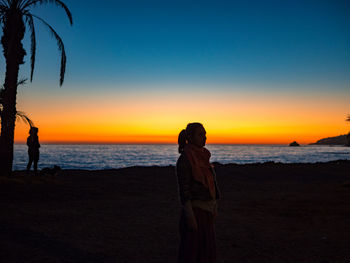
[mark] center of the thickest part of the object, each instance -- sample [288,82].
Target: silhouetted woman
[198,194]
[33,149]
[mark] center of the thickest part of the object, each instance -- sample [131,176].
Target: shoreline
[216,164]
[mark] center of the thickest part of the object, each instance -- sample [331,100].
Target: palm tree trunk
[14,53]
[8,120]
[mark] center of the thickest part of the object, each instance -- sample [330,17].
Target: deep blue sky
[297,42]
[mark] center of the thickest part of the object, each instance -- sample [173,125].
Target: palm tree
[16,17]
[20,115]
[348,136]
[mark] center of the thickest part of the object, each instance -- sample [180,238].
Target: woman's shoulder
[182,160]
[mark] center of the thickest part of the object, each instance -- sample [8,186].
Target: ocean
[109,156]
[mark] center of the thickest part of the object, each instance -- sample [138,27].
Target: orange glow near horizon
[152,118]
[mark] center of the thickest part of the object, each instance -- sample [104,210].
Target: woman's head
[194,134]
[33,131]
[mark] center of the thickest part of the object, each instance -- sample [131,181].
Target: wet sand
[268,213]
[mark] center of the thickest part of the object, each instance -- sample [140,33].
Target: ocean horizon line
[154,143]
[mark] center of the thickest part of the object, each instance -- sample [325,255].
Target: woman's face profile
[199,137]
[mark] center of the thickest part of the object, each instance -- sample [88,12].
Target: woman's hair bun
[182,140]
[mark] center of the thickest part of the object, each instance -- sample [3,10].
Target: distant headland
[337,140]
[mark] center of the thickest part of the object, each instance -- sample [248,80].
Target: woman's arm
[184,178]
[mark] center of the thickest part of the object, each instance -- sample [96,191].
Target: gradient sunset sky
[139,71]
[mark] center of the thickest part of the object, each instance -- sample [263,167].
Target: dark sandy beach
[268,213]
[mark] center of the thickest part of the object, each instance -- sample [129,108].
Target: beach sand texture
[268,213]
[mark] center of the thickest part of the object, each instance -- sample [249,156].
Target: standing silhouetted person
[33,149]
[198,194]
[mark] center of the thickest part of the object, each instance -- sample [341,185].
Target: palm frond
[22,116]
[23,3]
[29,19]
[5,3]
[22,81]
[348,119]
[18,3]
[2,91]
[60,48]
[56,2]
[3,9]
